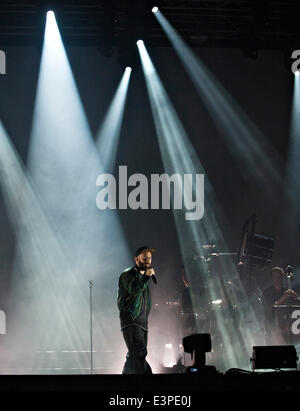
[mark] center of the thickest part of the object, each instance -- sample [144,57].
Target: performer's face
[277,279]
[144,259]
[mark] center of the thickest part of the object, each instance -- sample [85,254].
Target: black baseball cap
[141,250]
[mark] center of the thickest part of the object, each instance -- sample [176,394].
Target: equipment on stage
[154,279]
[274,357]
[286,320]
[286,314]
[200,310]
[91,285]
[255,248]
[289,276]
[210,270]
[198,345]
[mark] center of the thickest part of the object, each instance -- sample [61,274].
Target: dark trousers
[136,340]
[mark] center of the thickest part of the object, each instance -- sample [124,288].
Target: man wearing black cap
[134,304]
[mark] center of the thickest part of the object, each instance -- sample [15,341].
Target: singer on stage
[134,303]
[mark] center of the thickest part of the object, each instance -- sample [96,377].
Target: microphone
[289,276]
[152,276]
[143,268]
[289,271]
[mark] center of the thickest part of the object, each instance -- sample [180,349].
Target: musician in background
[277,294]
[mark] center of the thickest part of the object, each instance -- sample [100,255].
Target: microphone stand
[289,276]
[91,324]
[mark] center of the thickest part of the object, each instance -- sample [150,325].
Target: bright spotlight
[128,69]
[155,10]
[217,302]
[169,356]
[50,13]
[140,42]
[297,73]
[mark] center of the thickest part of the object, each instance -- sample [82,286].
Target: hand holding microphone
[149,271]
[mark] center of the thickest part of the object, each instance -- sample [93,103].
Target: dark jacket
[134,301]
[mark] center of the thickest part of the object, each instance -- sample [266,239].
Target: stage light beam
[64,164]
[293,168]
[179,156]
[41,267]
[255,156]
[109,132]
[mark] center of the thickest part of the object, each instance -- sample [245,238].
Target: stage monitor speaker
[274,357]
[197,345]
[201,342]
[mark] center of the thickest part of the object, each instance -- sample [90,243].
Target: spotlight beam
[180,157]
[293,168]
[39,260]
[244,140]
[109,133]
[64,164]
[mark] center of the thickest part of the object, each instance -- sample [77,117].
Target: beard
[144,265]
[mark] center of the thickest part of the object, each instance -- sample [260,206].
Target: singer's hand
[149,272]
[290,293]
[287,294]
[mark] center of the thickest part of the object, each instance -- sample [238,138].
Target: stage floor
[232,380]
[192,391]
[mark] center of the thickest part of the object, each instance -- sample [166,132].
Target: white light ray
[42,274]
[64,165]
[293,171]
[180,157]
[255,156]
[109,133]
